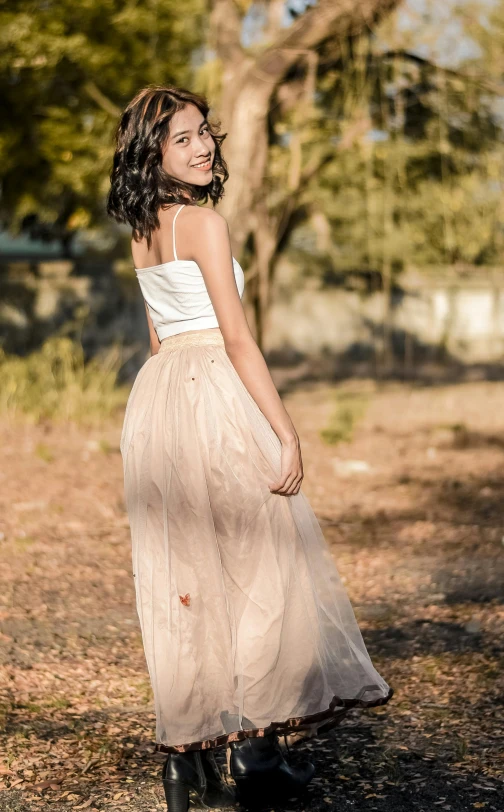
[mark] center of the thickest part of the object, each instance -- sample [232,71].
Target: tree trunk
[248,86]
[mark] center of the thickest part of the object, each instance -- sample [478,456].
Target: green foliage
[66,70]
[415,151]
[57,383]
[408,156]
[350,408]
[43,452]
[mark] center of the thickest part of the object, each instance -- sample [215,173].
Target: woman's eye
[184,137]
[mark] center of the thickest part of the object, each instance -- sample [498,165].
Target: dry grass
[57,383]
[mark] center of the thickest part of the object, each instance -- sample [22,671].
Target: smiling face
[189,150]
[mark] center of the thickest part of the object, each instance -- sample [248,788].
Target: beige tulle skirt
[246,626]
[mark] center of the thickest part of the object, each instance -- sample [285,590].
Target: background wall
[439,313]
[447,315]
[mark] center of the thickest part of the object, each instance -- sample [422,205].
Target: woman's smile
[204,166]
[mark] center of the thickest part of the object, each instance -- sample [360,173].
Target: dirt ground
[412,507]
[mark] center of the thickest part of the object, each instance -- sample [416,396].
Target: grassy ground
[410,499]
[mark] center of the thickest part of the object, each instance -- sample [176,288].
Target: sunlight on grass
[43,452]
[24,541]
[58,702]
[350,408]
[57,383]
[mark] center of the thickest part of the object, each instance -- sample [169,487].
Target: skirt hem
[329,718]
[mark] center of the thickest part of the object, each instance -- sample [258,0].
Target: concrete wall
[95,300]
[458,313]
[452,313]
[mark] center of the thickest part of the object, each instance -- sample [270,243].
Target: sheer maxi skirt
[246,626]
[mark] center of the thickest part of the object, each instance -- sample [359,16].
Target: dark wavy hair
[139,184]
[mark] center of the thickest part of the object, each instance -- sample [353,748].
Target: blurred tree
[424,175]
[389,157]
[66,69]
[265,57]
[384,156]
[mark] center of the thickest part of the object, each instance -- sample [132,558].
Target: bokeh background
[365,148]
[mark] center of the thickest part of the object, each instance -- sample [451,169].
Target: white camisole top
[176,295]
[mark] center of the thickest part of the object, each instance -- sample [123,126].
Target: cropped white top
[176,295]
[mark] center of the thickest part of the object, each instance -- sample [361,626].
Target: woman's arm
[154,340]
[212,252]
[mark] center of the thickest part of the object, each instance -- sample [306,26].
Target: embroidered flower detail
[185,599]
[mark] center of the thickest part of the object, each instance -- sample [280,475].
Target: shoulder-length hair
[139,184]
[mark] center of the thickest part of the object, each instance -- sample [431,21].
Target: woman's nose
[201,148]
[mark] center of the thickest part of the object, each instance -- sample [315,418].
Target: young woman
[247,629]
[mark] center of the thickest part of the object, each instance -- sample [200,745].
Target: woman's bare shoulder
[206,229]
[206,218]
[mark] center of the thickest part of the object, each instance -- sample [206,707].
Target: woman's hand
[292,469]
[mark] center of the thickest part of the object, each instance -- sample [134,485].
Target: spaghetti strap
[173,231]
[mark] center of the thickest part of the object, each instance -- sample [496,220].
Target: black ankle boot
[261,773]
[194,772]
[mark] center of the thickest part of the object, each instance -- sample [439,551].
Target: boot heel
[254,794]
[177,796]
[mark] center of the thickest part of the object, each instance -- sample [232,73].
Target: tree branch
[225,31]
[101,100]
[329,18]
[312,168]
[498,90]
[274,18]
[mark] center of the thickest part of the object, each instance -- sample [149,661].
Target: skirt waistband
[209,336]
